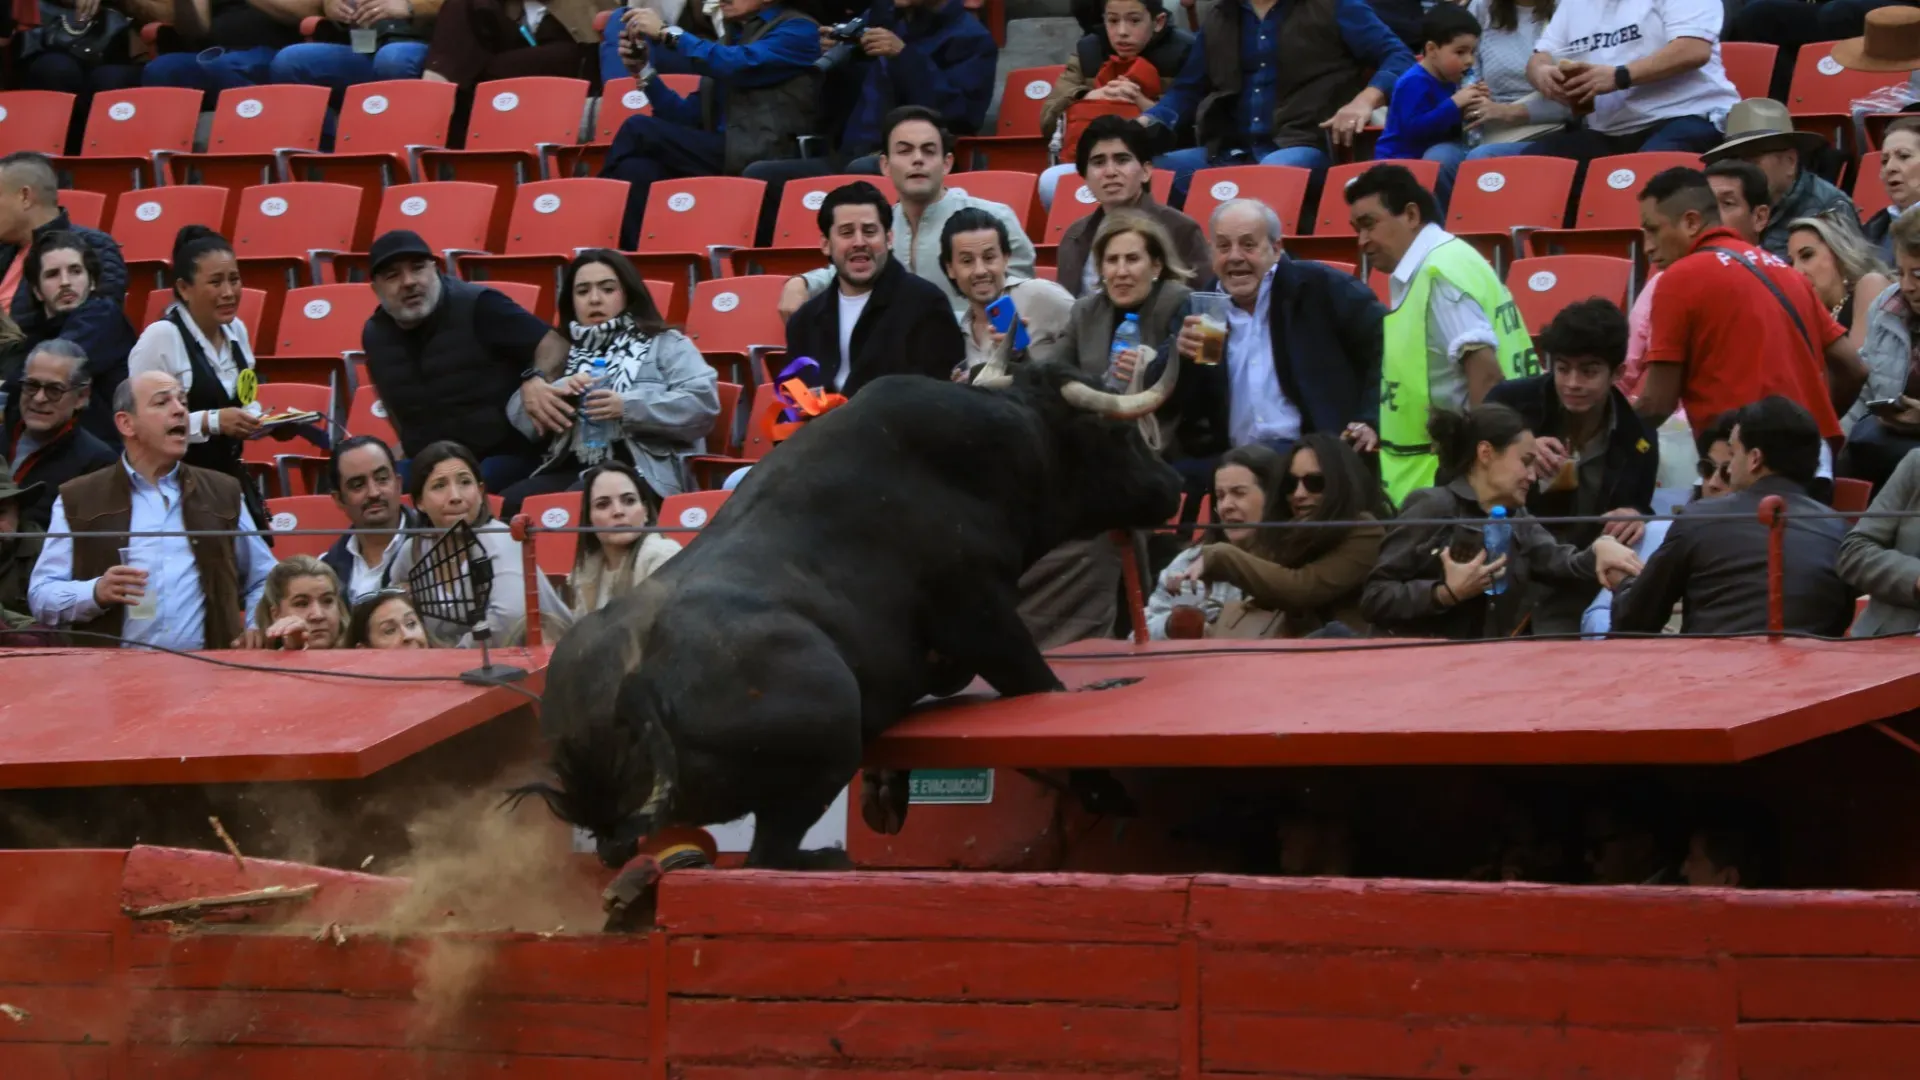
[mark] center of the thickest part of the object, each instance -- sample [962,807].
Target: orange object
[796,394]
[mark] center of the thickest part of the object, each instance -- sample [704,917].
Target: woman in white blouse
[202,342]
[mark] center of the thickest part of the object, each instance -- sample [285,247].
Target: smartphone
[1466,543]
[1002,317]
[1884,406]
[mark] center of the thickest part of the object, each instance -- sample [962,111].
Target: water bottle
[1125,336]
[597,434]
[1499,541]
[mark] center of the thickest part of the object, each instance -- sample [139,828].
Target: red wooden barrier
[862,976]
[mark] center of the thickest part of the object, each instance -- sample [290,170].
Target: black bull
[870,561]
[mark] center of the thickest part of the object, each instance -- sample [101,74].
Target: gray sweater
[1502,63]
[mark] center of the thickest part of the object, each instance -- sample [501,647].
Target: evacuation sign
[950,786]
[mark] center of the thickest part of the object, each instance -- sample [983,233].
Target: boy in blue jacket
[1429,107]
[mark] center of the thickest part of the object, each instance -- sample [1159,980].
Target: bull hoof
[883,800]
[629,900]
[826,859]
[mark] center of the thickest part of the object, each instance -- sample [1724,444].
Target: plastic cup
[1212,308]
[148,606]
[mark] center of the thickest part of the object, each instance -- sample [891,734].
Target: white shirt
[180,623]
[1456,325]
[366,576]
[161,348]
[1257,409]
[850,309]
[1615,32]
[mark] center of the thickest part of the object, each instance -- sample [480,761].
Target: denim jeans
[211,70]
[338,66]
[1691,134]
[1184,163]
[1500,150]
[1449,155]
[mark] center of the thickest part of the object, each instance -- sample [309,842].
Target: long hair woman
[610,561]
[661,395]
[1437,580]
[1295,582]
[444,483]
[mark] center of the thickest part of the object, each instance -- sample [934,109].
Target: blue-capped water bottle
[1498,542]
[596,434]
[1125,336]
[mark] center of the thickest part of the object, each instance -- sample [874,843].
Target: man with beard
[878,319]
[44,443]
[164,590]
[917,158]
[446,355]
[62,271]
[366,487]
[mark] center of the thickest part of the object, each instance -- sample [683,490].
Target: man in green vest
[1452,331]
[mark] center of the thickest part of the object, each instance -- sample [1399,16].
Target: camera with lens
[846,38]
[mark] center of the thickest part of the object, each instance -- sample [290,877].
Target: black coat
[1326,329]
[1715,560]
[74,454]
[1633,449]
[100,328]
[113,268]
[907,328]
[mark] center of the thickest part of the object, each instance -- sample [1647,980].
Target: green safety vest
[1407,460]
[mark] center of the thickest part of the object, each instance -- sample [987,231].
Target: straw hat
[1891,42]
[1760,124]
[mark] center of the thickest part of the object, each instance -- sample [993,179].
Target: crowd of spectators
[1778,326]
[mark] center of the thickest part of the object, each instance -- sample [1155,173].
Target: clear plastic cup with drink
[148,606]
[1211,308]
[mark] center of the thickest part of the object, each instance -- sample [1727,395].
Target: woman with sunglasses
[1437,581]
[1297,582]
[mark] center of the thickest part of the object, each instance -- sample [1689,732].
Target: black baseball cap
[395,244]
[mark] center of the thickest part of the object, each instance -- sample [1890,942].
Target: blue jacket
[948,66]
[1326,331]
[1420,115]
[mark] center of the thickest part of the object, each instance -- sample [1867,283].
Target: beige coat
[1282,601]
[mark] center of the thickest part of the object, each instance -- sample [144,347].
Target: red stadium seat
[754,444]
[124,128]
[1282,187]
[551,219]
[379,128]
[553,552]
[1749,66]
[281,227]
[691,226]
[1608,220]
[1851,496]
[513,122]
[368,417]
[289,512]
[669,301]
[87,209]
[450,215]
[251,124]
[1332,233]
[721,441]
[1378,282]
[691,511]
[1869,194]
[317,335]
[1347,268]
[795,245]
[1017,191]
[735,321]
[145,224]
[1016,143]
[1543,286]
[1822,93]
[1073,200]
[34,120]
[527,296]
[1498,201]
[619,99]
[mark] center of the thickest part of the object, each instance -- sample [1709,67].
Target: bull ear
[1125,406]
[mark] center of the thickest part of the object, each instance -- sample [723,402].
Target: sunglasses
[1315,483]
[1707,468]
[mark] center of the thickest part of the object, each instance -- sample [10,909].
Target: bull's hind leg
[778,832]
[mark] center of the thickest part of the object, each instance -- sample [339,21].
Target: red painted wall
[1026,977]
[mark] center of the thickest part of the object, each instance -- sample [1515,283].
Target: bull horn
[1125,406]
[995,374]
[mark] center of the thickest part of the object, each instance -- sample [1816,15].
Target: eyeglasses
[52,391]
[1315,483]
[1707,467]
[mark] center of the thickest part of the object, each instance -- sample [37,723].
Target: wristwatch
[531,373]
[671,36]
[1622,78]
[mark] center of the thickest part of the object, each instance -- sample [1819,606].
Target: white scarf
[627,354]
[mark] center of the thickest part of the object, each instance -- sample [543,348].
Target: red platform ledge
[1249,704]
[94,717]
